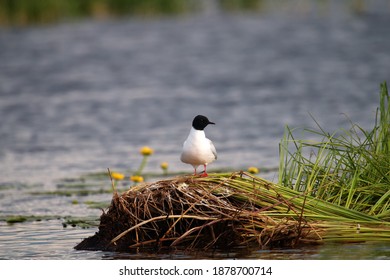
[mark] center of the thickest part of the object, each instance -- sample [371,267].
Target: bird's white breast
[197,149]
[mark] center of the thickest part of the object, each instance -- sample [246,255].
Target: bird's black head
[200,122]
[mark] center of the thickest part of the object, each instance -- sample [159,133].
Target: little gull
[197,149]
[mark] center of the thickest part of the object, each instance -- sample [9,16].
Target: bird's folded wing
[213,149]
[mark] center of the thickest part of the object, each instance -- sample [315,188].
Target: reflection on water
[80,97]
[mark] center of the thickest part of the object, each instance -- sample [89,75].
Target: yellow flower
[117,176]
[146,151]
[137,178]
[164,165]
[253,170]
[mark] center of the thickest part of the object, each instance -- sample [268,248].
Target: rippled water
[80,97]
[49,240]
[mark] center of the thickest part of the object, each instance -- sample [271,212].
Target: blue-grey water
[81,97]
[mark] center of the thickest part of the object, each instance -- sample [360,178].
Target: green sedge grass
[326,221]
[349,168]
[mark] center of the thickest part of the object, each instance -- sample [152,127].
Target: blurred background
[85,84]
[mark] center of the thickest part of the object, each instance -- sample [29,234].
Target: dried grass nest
[219,211]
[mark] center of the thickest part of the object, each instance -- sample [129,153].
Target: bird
[197,149]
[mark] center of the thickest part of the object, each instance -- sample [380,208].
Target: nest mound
[195,212]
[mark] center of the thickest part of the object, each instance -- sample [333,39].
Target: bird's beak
[211,122]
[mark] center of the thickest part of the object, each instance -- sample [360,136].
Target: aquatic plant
[117,176]
[83,222]
[16,219]
[136,179]
[164,166]
[253,170]
[145,151]
[349,168]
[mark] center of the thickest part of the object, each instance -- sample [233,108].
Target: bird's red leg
[194,171]
[204,174]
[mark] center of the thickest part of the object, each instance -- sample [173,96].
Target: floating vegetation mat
[224,211]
